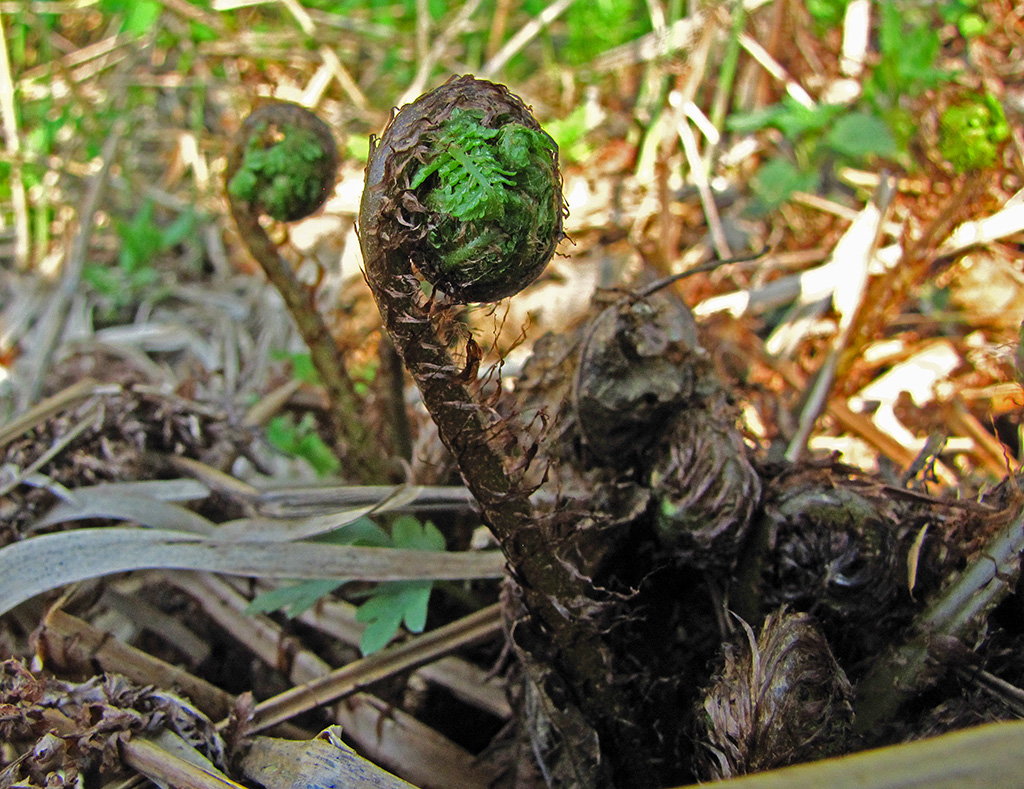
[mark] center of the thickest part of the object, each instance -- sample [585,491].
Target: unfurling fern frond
[490,185]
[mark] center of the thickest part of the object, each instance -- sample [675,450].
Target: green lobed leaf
[393,603]
[294,599]
[793,119]
[860,134]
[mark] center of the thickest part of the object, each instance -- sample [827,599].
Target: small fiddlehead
[286,163]
[283,164]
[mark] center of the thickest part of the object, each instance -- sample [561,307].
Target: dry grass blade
[54,404]
[294,501]
[89,553]
[52,323]
[849,262]
[164,767]
[323,761]
[1006,222]
[104,501]
[524,35]
[342,682]
[22,243]
[981,757]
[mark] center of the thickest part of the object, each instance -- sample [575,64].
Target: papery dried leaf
[780,699]
[98,715]
[99,552]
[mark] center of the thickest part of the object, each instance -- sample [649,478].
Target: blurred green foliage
[971,132]
[138,16]
[879,124]
[142,241]
[300,439]
[389,605]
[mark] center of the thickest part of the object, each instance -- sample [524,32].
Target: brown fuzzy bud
[832,552]
[705,489]
[639,362]
[780,699]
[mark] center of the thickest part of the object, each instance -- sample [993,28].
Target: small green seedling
[395,602]
[972,131]
[142,241]
[390,604]
[300,439]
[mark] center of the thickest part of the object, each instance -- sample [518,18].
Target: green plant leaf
[303,595]
[793,119]
[301,440]
[301,363]
[826,13]
[407,532]
[182,227]
[104,280]
[293,600]
[909,49]
[362,532]
[777,180]
[139,15]
[860,134]
[391,604]
[140,239]
[569,134]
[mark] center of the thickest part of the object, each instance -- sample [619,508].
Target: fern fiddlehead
[476,189]
[283,164]
[430,209]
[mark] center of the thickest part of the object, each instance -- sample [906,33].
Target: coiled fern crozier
[495,214]
[283,164]
[475,199]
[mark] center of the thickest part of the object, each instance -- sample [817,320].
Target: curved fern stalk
[429,208]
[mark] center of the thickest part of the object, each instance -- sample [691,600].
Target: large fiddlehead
[463,191]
